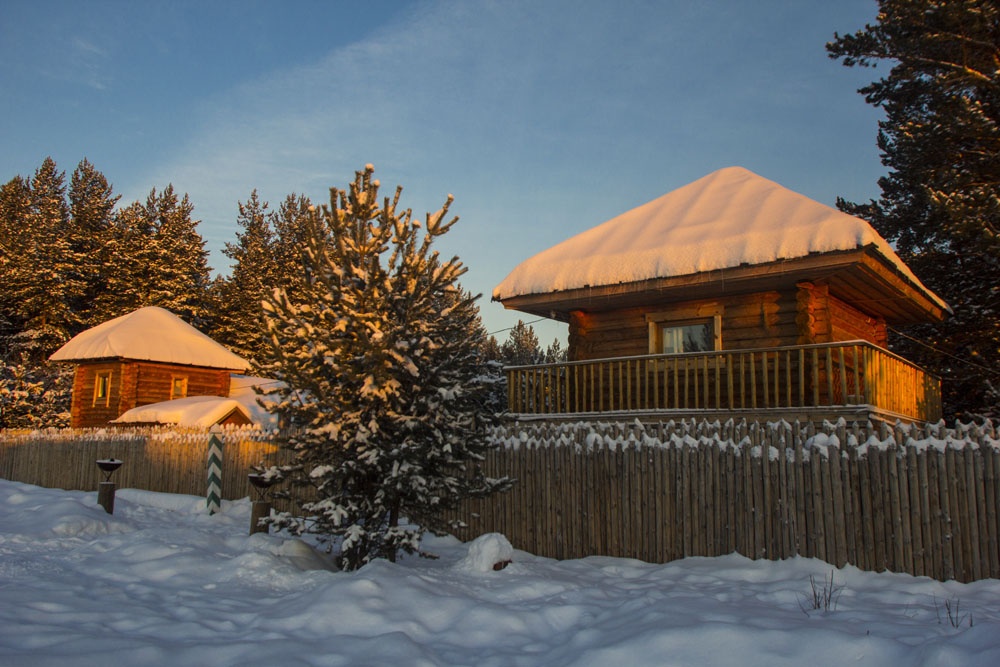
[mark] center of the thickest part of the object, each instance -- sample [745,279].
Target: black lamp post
[261,507]
[106,489]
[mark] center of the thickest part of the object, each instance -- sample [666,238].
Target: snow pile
[728,218]
[149,334]
[487,553]
[163,583]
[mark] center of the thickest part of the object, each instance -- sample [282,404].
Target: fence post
[214,498]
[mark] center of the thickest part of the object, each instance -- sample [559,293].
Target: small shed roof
[729,219]
[150,334]
[194,411]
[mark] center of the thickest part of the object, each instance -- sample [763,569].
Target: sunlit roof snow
[194,411]
[724,220]
[150,334]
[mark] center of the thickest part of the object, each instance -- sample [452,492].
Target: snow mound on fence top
[150,334]
[726,219]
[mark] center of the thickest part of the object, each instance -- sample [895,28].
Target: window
[178,387]
[697,329]
[102,388]
[693,337]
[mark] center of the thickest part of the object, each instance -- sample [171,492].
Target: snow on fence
[168,460]
[908,499]
[922,501]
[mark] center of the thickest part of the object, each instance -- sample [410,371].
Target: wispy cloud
[451,92]
[87,64]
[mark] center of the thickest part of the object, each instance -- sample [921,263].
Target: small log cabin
[731,296]
[148,356]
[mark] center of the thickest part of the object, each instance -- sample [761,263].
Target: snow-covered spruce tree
[381,352]
[91,206]
[44,284]
[159,259]
[132,251]
[290,223]
[940,201]
[15,202]
[32,394]
[182,280]
[254,274]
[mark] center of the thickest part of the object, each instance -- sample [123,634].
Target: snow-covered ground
[163,583]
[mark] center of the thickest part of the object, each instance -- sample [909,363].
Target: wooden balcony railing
[801,376]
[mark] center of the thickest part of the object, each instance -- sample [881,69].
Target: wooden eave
[106,360]
[861,277]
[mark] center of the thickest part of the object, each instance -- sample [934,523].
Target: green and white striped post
[214,498]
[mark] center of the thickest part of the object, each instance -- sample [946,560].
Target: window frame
[102,388]
[183,380]
[657,322]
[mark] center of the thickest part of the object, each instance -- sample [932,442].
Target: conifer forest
[73,255]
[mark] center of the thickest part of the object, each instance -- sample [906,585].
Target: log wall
[804,315]
[765,319]
[136,383]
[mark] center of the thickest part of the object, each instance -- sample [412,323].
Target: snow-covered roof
[731,217]
[194,411]
[150,334]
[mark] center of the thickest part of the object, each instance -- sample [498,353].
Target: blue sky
[543,118]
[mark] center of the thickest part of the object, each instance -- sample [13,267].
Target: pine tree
[381,352]
[555,353]
[40,270]
[491,350]
[254,274]
[131,255]
[156,257]
[32,395]
[182,272]
[940,202]
[15,202]
[291,230]
[91,207]
[43,281]
[521,347]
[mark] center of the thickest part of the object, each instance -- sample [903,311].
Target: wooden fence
[162,459]
[923,502]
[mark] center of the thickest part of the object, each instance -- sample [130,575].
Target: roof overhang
[127,360]
[862,277]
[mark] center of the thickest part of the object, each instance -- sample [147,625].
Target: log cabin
[731,296]
[146,357]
